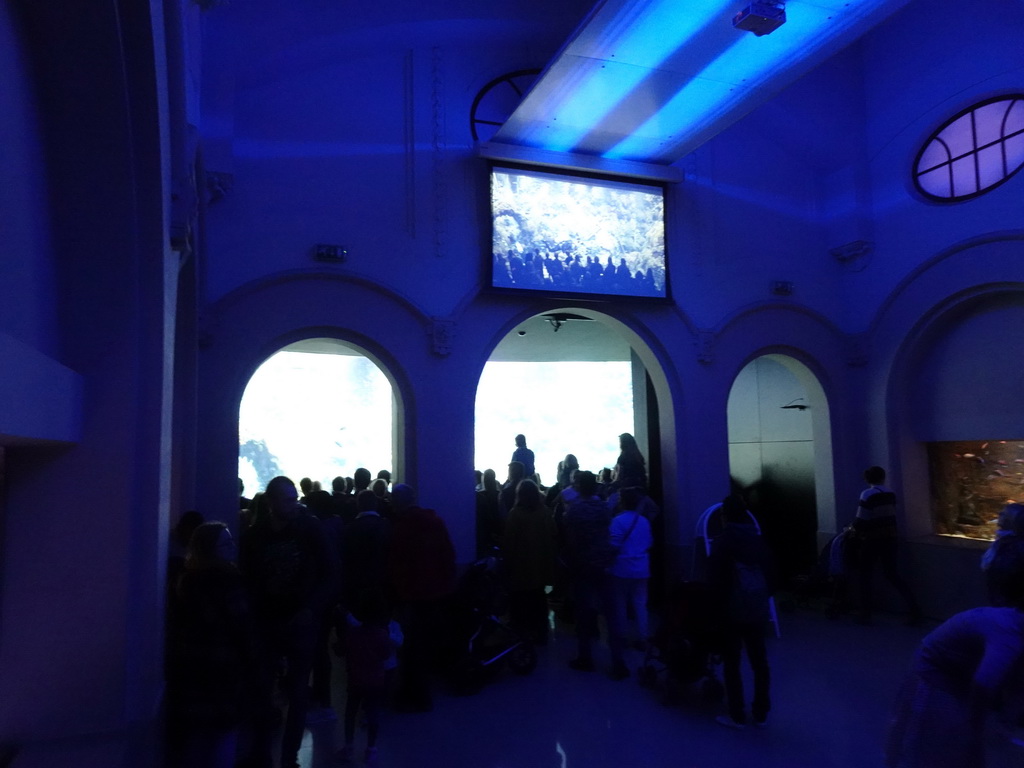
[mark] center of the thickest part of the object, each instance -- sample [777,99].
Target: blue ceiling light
[749,64]
[649,80]
[607,60]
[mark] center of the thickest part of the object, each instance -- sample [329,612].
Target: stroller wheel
[522,659]
[647,675]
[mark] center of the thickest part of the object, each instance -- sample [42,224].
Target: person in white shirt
[630,532]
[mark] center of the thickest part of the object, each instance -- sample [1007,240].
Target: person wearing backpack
[588,553]
[630,534]
[742,578]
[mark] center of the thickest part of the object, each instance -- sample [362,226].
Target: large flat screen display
[565,234]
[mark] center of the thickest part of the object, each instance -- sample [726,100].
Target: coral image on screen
[971,481]
[576,235]
[314,415]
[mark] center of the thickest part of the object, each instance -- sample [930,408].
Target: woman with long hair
[210,652]
[488,515]
[528,545]
[566,470]
[630,467]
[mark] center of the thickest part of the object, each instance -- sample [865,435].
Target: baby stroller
[485,641]
[681,656]
[826,586]
[838,559]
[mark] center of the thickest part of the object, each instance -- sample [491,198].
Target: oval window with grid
[973,151]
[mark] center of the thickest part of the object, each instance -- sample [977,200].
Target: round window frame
[933,135]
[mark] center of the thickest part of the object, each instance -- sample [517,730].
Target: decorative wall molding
[442,334]
[218,185]
[252,292]
[409,140]
[897,294]
[854,256]
[439,149]
[857,350]
[705,341]
[184,214]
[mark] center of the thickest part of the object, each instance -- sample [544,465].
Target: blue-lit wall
[355,130]
[86,300]
[837,148]
[26,281]
[331,124]
[371,150]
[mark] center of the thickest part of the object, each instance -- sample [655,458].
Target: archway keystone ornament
[442,334]
[705,342]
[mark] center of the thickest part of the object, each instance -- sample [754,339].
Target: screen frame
[661,188]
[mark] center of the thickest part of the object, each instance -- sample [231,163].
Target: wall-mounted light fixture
[330,253]
[649,81]
[782,288]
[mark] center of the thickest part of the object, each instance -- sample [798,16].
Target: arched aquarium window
[319,409]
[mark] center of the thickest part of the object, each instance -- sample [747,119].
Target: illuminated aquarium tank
[971,481]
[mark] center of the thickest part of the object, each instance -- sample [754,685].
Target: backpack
[748,599]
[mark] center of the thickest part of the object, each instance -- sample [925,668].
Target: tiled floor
[833,685]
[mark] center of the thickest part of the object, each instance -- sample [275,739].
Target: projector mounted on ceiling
[760,18]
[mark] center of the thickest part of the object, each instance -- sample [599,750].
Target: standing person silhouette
[630,533]
[630,467]
[291,574]
[587,546]
[524,456]
[875,526]
[423,577]
[742,578]
[529,547]
[210,653]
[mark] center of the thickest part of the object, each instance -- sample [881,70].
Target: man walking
[875,526]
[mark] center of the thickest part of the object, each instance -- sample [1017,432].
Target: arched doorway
[563,380]
[318,408]
[780,456]
[960,419]
[583,379]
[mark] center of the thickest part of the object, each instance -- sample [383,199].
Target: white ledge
[40,399]
[513,153]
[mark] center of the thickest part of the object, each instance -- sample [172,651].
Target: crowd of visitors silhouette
[365,574]
[244,638]
[565,269]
